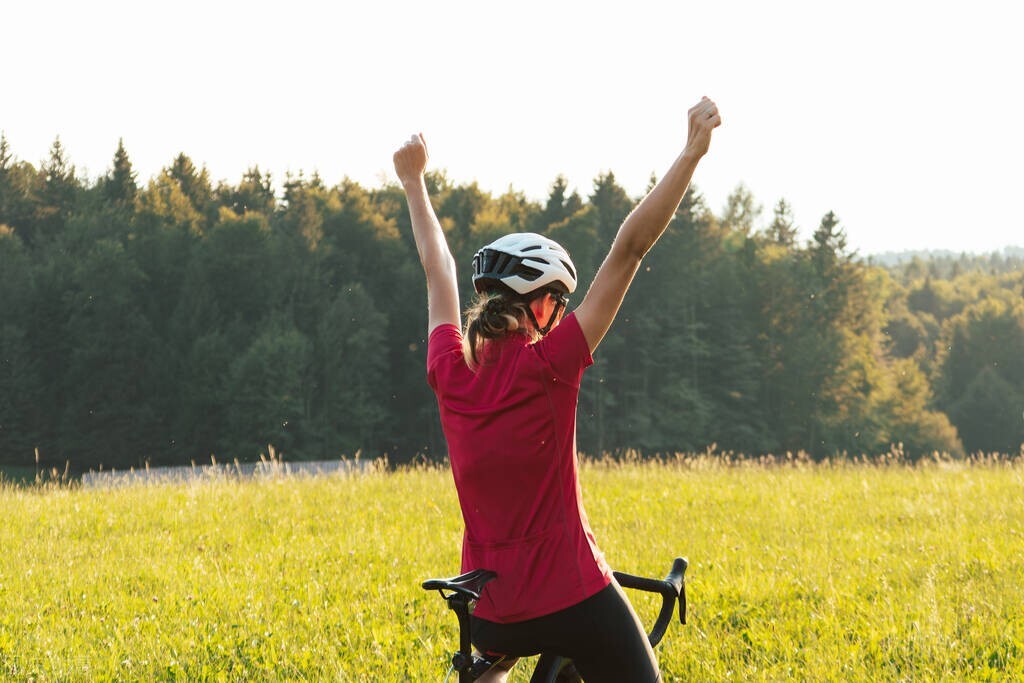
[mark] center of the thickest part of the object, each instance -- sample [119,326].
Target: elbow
[439,266]
[630,248]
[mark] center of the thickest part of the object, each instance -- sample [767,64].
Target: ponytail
[493,316]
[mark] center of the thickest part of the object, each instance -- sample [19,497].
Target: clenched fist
[703,118]
[411,159]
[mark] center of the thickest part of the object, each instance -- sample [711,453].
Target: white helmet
[524,262]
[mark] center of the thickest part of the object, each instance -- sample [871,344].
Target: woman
[507,388]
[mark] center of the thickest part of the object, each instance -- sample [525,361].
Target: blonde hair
[494,316]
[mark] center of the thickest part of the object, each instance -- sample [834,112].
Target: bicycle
[460,592]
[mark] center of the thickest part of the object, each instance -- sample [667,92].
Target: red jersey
[511,431]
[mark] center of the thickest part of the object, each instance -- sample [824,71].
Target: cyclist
[507,386]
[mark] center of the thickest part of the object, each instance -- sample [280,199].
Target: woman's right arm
[643,227]
[435,256]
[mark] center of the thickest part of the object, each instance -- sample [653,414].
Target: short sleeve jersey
[511,432]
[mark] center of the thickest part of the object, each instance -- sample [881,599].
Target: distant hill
[895,258]
[942,263]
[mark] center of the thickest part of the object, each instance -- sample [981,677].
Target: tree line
[168,321]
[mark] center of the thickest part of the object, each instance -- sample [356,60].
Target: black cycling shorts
[602,635]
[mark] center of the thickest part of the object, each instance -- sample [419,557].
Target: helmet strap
[559,305]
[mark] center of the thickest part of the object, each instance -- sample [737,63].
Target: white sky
[905,118]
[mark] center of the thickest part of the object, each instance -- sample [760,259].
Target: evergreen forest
[173,320]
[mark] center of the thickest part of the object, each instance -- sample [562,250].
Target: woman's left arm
[435,256]
[643,227]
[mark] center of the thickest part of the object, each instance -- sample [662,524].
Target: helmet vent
[528,273]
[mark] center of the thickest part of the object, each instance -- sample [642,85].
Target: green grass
[829,572]
[18,474]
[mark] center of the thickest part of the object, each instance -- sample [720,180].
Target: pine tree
[829,244]
[555,209]
[194,186]
[612,205]
[741,210]
[119,186]
[6,187]
[55,198]
[255,193]
[6,158]
[781,230]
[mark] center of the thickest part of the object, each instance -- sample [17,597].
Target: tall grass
[798,572]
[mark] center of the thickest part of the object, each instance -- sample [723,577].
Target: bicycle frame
[460,592]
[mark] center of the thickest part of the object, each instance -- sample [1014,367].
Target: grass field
[837,572]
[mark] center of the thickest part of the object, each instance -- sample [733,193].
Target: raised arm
[438,264]
[643,227]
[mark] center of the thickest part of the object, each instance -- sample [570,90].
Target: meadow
[798,571]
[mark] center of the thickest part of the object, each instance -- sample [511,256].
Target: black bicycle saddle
[469,584]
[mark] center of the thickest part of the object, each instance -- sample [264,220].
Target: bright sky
[904,117]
